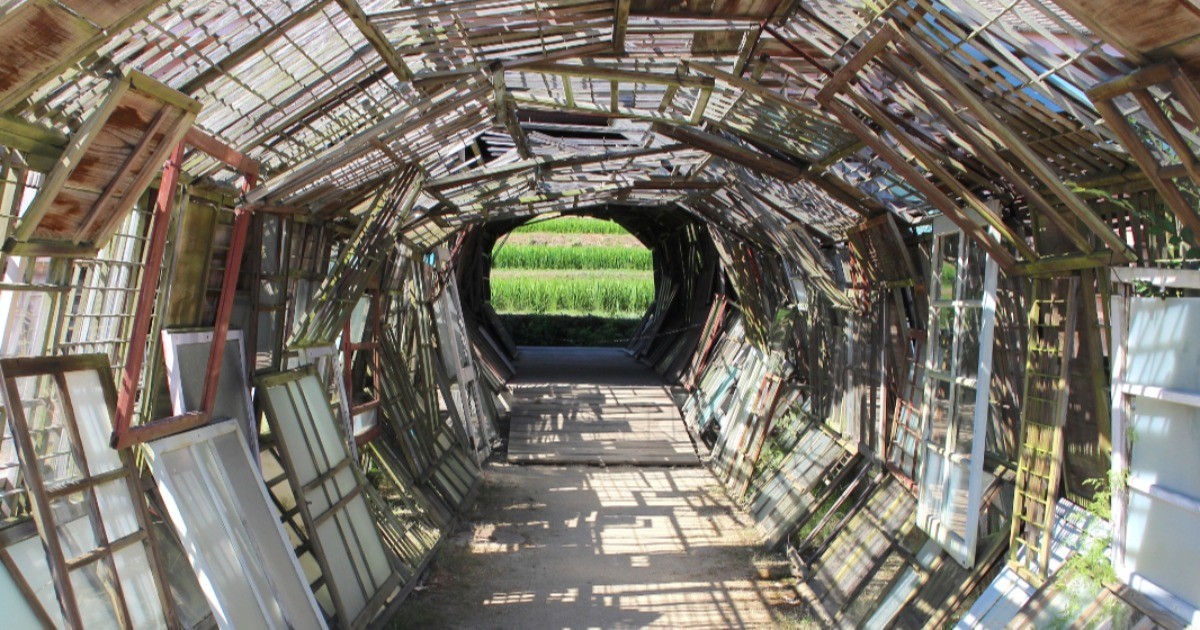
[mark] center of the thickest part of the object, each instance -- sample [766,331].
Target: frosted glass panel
[1160,545]
[1164,349]
[1166,445]
[30,556]
[92,584]
[137,583]
[116,509]
[232,537]
[94,419]
[17,613]
[322,420]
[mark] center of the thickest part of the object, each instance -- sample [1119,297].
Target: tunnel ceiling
[788,116]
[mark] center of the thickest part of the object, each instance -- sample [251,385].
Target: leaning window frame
[960,547]
[1122,395]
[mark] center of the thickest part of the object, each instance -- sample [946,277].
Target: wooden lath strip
[1014,143]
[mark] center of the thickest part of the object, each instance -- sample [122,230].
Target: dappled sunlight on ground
[581,547]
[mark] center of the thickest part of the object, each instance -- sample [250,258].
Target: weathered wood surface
[593,406]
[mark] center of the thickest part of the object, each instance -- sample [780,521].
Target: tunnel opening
[674,260]
[570,281]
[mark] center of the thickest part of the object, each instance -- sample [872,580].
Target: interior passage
[594,406]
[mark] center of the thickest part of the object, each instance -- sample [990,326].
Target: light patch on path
[591,547]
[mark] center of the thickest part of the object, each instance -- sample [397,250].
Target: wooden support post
[620,26]
[163,206]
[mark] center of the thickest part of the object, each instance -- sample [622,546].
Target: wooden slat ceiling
[332,95]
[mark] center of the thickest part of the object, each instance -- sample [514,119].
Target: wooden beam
[377,40]
[915,179]
[251,48]
[721,147]
[1137,80]
[930,163]
[132,373]
[849,70]
[486,173]
[1017,145]
[205,143]
[603,73]
[1141,154]
[620,26]
[985,152]
[398,123]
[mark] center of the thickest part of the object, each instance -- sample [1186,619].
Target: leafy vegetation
[555,257]
[589,293]
[573,225]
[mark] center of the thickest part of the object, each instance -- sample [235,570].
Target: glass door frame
[959,543]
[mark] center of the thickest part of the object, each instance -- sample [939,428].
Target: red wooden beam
[233,268]
[163,206]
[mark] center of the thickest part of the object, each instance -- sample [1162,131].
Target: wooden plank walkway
[593,406]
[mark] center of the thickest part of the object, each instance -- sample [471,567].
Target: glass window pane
[943,343]
[947,268]
[1166,440]
[30,556]
[75,532]
[968,343]
[46,419]
[972,275]
[939,417]
[117,509]
[964,420]
[1163,347]
[137,584]
[94,420]
[1160,544]
[93,584]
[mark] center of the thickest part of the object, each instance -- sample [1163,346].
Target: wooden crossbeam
[605,73]
[620,26]
[377,40]
[733,152]
[1161,176]
[1017,145]
[910,174]
[492,172]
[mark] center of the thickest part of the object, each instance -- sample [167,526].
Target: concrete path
[587,546]
[551,547]
[593,406]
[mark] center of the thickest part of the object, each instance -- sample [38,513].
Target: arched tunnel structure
[921,349]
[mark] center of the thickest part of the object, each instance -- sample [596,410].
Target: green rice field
[568,292]
[572,225]
[600,258]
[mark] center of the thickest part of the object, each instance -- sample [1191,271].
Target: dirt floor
[595,547]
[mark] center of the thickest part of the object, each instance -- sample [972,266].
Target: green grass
[583,257]
[592,293]
[573,225]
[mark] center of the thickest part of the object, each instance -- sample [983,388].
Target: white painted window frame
[290,572]
[961,548]
[173,339]
[1123,393]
